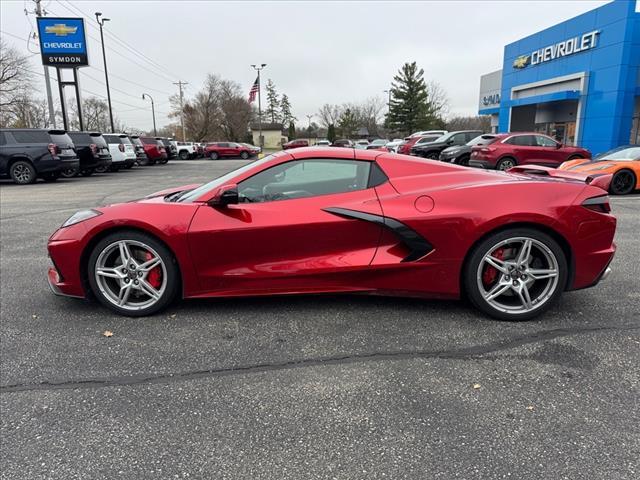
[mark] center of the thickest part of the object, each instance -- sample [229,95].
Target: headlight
[80,216]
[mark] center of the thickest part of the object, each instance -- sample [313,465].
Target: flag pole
[261,140]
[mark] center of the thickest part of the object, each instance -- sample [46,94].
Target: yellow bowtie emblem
[60,29]
[522,61]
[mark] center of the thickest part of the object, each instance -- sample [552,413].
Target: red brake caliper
[490,273]
[155,275]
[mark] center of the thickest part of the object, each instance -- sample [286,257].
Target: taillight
[598,204]
[53,149]
[94,148]
[162,150]
[121,147]
[487,149]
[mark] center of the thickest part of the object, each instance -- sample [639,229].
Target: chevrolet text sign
[558,50]
[62,42]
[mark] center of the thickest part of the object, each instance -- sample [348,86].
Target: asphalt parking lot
[343,387]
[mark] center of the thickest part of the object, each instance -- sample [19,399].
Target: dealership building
[578,81]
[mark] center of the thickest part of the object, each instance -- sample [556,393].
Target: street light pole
[106,75]
[258,68]
[388,92]
[153,112]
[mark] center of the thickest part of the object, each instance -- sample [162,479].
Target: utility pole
[106,75]
[52,115]
[256,68]
[180,83]
[153,112]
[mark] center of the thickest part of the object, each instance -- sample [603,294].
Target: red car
[295,144]
[155,150]
[318,220]
[511,149]
[226,149]
[405,148]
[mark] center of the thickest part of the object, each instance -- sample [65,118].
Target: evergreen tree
[285,110]
[292,130]
[347,123]
[410,108]
[273,102]
[331,133]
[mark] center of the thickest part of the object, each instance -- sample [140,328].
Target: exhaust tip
[606,273]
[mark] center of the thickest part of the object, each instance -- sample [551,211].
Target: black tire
[184,155]
[129,166]
[472,277]
[172,272]
[623,182]
[463,160]
[214,156]
[102,169]
[506,163]
[163,161]
[69,172]
[244,155]
[87,172]
[574,157]
[22,172]
[51,177]
[432,155]
[114,168]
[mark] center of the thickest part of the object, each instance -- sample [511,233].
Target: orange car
[622,162]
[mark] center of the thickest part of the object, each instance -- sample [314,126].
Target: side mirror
[450,142]
[558,145]
[225,195]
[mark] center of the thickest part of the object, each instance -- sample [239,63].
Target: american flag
[254,91]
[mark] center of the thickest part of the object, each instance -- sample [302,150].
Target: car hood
[457,149]
[430,145]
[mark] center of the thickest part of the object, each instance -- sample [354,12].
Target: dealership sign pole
[63,45]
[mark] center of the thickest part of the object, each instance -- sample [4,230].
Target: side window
[305,178]
[31,136]
[459,139]
[470,136]
[544,141]
[224,145]
[522,141]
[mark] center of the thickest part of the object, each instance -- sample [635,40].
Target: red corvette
[316,220]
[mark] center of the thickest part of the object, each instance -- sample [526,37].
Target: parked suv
[226,149]
[103,151]
[461,154]
[27,153]
[405,147]
[155,150]
[513,149]
[433,149]
[172,151]
[141,156]
[123,153]
[295,144]
[90,155]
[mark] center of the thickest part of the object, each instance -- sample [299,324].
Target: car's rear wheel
[51,176]
[515,274]
[623,182]
[133,273]
[463,160]
[68,172]
[184,155]
[244,155]
[506,163]
[87,172]
[214,155]
[575,157]
[101,169]
[22,172]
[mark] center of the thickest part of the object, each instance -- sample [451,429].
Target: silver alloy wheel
[121,273]
[506,164]
[526,276]
[21,173]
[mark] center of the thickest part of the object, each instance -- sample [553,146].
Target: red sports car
[318,220]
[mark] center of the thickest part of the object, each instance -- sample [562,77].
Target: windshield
[620,154]
[482,140]
[443,138]
[202,189]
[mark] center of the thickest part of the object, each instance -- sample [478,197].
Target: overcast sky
[316,52]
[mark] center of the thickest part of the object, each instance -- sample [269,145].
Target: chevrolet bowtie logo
[60,29]
[522,61]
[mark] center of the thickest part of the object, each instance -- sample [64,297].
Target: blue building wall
[612,68]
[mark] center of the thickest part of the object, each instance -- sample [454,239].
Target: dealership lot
[306,387]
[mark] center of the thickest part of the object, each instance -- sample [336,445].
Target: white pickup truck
[186,150]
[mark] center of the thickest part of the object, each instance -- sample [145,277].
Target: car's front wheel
[432,155]
[133,273]
[69,172]
[244,155]
[213,155]
[22,172]
[184,155]
[515,274]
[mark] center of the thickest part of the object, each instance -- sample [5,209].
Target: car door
[549,153]
[523,148]
[289,232]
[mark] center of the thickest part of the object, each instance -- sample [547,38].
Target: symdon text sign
[565,48]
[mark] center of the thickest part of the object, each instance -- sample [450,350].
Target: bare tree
[470,123]
[15,79]
[438,99]
[330,114]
